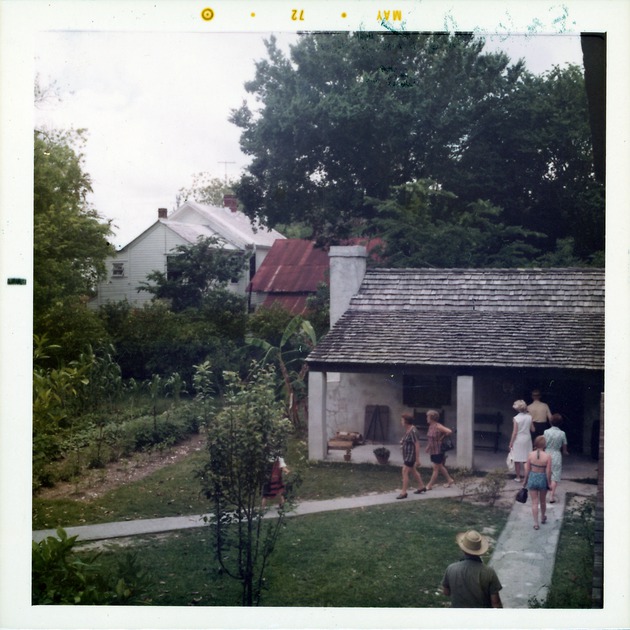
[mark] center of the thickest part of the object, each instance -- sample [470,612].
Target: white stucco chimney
[347,268]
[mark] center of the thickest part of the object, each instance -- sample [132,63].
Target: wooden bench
[345,440]
[487,430]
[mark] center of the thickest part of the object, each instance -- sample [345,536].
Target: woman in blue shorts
[538,479]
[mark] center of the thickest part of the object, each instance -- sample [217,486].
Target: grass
[170,491]
[386,556]
[174,490]
[572,581]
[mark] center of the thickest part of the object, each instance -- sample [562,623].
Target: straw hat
[472,542]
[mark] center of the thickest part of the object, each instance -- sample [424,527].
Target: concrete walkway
[523,557]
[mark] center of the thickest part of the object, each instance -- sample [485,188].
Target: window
[173,270]
[118,270]
[426,391]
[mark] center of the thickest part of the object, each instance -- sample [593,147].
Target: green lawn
[392,555]
[386,556]
[175,490]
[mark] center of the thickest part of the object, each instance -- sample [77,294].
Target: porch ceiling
[564,340]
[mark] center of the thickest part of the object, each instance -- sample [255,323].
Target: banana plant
[298,339]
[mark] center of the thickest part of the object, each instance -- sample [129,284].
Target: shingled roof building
[465,341]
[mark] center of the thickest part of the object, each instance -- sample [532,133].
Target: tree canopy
[69,241]
[194,272]
[70,244]
[347,116]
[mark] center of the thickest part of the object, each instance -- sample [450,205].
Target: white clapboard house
[152,249]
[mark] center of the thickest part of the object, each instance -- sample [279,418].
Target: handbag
[510,461]
[521,495]
[446,444]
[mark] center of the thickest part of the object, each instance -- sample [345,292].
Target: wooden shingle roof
[551,318]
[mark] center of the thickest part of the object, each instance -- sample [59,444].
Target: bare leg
[449,479]
[416,474]
[552,496]
[535,498]
[543,506]
[434,476]
[405,479]
[517,469]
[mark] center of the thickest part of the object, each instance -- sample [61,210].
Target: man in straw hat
[470,583]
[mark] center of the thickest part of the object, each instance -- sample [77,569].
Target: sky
[156,107]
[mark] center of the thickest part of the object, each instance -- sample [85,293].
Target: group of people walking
[538,469]
[410,444]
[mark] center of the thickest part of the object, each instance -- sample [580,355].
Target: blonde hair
[433,414]
[520,405]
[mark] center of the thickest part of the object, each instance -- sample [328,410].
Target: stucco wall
[349,394]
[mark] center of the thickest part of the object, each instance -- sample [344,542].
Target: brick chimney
[230,201]
[162,212]
[347,269]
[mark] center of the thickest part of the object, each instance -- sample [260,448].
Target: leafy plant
[244,439]
[60,575]
[297,340]
[465,478]
[490,488]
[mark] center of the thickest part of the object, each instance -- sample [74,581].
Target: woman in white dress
[521,440]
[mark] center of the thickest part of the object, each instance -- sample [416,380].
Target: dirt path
[95,483]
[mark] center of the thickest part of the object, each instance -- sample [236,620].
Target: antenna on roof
[225,164]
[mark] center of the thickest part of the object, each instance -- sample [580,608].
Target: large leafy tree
[532,156]
[69,247]
[422,226]
[350,114]
[195,271]
[206,188]
[70,239]
[345,117]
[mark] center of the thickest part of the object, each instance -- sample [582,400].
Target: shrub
[490,488]
[464,479]
[61,576]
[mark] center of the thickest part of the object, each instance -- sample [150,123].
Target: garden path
[523,557]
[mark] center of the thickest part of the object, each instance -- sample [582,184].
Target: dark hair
[408,418]
[556,420]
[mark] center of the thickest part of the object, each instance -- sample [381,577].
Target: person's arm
[548,414]
[495,600]
[548,471]
[514,432]
[446,587]
[527,469]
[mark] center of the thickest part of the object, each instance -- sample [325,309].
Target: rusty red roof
[292,266]
[294,303]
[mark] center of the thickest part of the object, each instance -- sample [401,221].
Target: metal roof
[291,266]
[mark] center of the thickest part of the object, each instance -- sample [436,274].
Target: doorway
[566,397]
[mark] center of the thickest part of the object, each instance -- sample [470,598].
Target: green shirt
[471,583]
